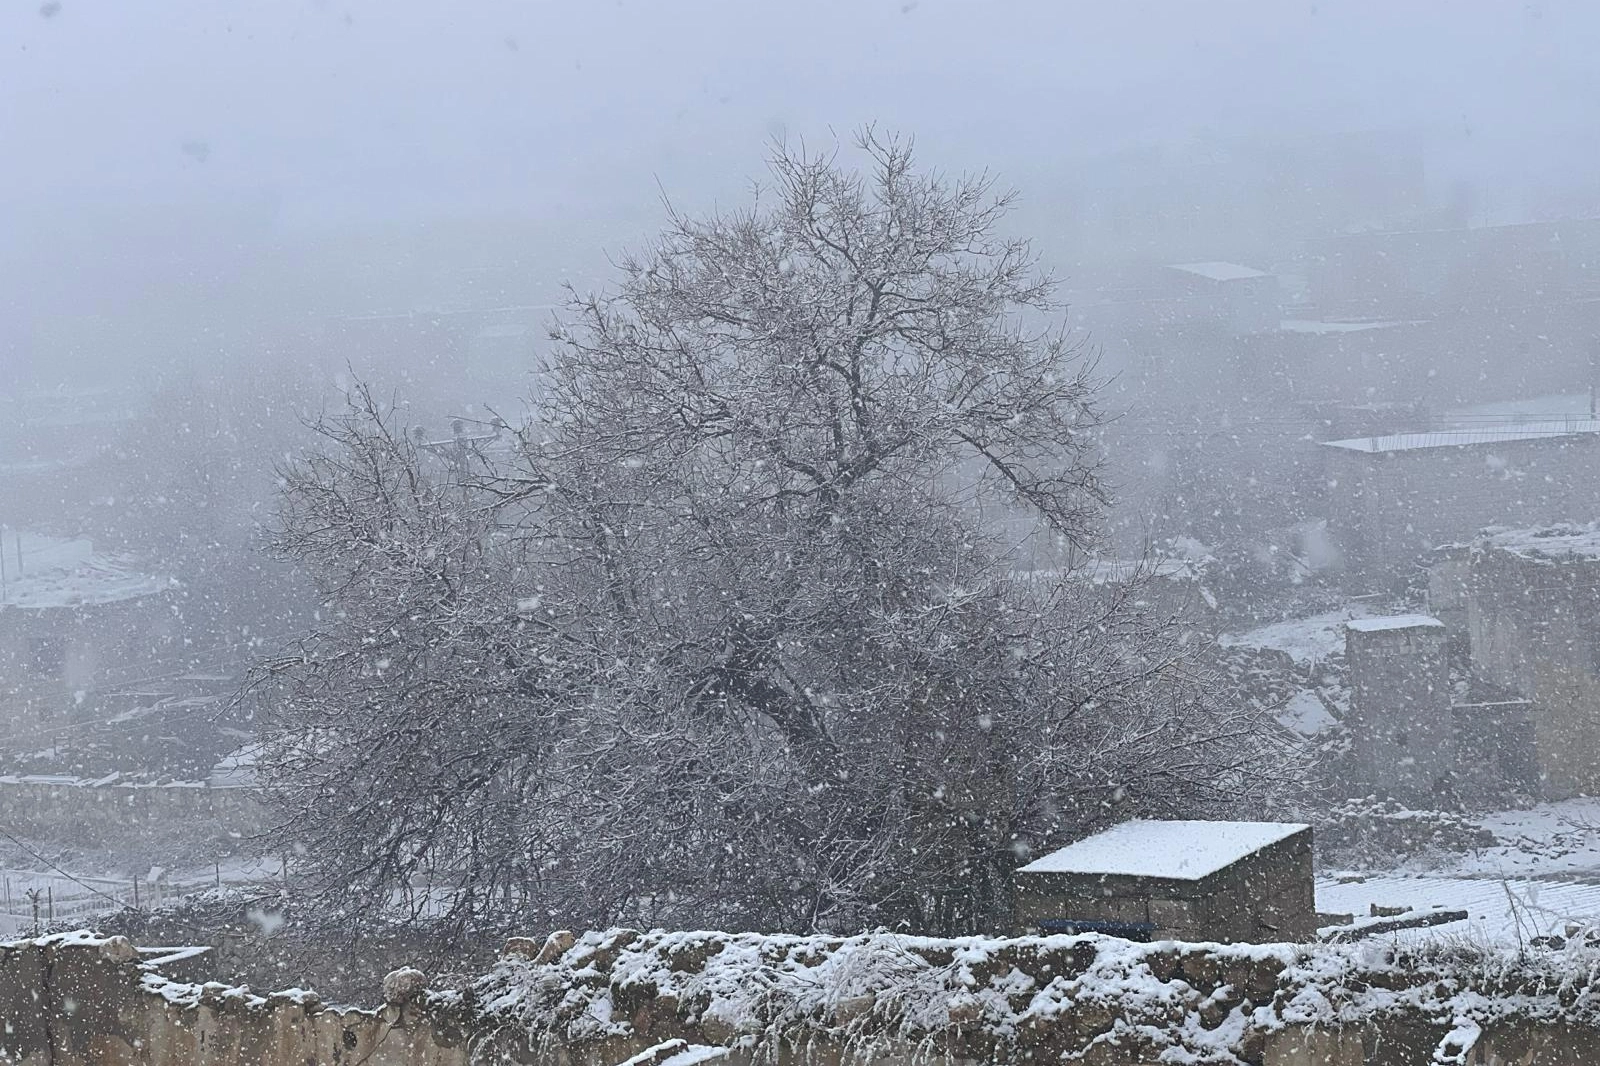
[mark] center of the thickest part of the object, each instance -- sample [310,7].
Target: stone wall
[1402,737]
[1534,626]
[78,1001]
[608,997]
[89,815]
[1448,576]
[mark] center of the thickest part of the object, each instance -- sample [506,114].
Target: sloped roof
[1173,850]
[1220,271]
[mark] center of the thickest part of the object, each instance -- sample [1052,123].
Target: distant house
[1251,297]
[1402,735]
[1392,498]
[490,349]
[1247,882]
[1166,585]
[1407,272]
[1247,299]
[1533,621]
[71,620]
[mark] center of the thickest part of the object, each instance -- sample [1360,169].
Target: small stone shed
[1230,882]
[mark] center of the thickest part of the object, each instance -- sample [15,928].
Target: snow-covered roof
[1451,438]
[42,572]
[1309,325]
[1176,850]
[1563,541]
[236,769]
[1394,621]
[1305,640]
[1117,571]
[1219,271]
[1113,571]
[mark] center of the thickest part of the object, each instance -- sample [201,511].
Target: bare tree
[722,639]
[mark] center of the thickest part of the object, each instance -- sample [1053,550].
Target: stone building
[1394,498]
[1420,728]
[1167,585]
[1246,299]
[1533,621]
[1229,882]
[1402,740]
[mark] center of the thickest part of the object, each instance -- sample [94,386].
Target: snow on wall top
[1452,438]
[1176,850]
[38,572]
[1394,621]
[883,995]
[1563,541]
[1218,271]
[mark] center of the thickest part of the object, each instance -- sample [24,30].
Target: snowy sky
[334,107]
[156,150]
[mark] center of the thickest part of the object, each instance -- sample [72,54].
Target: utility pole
[1594,376]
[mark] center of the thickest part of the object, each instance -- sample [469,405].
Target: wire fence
[32,901]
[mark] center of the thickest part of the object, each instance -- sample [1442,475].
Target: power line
[58,869]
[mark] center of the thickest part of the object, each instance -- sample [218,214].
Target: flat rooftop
[1175,850]
[1456,438]
[1555,542]
[39,572]
[1394,621]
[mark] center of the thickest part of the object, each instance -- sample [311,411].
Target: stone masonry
[1402,742]
[621,996]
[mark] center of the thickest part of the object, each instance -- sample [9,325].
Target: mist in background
[1337,265]
[196,187]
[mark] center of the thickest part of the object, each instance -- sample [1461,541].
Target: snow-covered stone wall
[655,998]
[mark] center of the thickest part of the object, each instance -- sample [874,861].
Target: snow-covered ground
[51,572]
[1541,876]
[1505,912]
[1545,841]
[1307,714]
